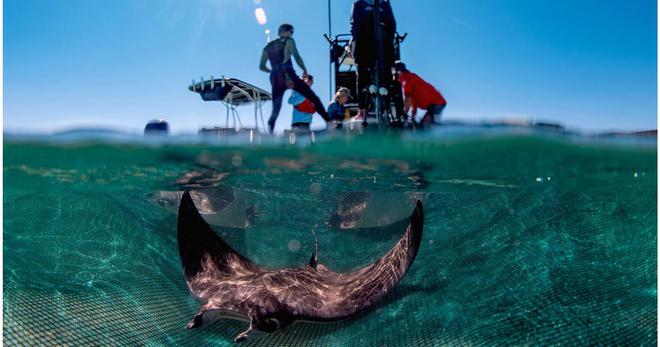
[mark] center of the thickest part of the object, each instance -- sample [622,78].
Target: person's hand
[305,75]
[348,51]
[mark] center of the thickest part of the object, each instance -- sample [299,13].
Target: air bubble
[236,160]
[294,245]
[315,189]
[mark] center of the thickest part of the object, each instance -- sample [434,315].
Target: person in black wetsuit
[282,76]
[364,46]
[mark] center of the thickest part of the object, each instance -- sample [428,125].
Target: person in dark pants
[420,94]
[364,46]
[282,75]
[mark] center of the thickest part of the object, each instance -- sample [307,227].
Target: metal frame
[241,94]
[338,58]
[338,43]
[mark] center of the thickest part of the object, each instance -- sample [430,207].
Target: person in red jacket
[303,108]
[420,94]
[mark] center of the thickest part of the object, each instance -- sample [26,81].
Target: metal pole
[330,18]
[379,57]
[330,35]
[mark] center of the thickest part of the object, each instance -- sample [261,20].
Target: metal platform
[232,93]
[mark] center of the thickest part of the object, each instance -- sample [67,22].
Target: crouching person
[420,94]
[337,111]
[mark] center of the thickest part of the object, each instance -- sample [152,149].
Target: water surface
[529,239]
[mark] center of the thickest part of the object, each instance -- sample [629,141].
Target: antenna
[330,35]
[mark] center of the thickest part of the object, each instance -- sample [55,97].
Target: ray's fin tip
[419,210]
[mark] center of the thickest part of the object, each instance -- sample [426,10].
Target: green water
[529,240]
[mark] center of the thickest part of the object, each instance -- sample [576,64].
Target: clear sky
[588,64]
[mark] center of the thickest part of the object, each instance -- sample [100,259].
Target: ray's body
[232,286]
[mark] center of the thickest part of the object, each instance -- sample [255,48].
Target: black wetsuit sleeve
[354,25]
[290,50]
[262,62]
[390,22]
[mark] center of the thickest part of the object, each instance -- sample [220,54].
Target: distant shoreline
[511,123]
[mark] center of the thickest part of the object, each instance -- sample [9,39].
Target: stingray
[231,286]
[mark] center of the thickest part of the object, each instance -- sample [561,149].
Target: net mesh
[503,261]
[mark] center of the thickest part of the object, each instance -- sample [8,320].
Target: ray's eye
[274,322]
[270,325]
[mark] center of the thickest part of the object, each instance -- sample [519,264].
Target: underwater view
[530,238]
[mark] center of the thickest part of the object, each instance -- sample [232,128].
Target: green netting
[528,241]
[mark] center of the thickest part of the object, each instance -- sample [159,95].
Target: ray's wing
[335,296]
[369,285]
[205,257]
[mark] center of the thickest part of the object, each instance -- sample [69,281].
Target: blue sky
[588,64]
